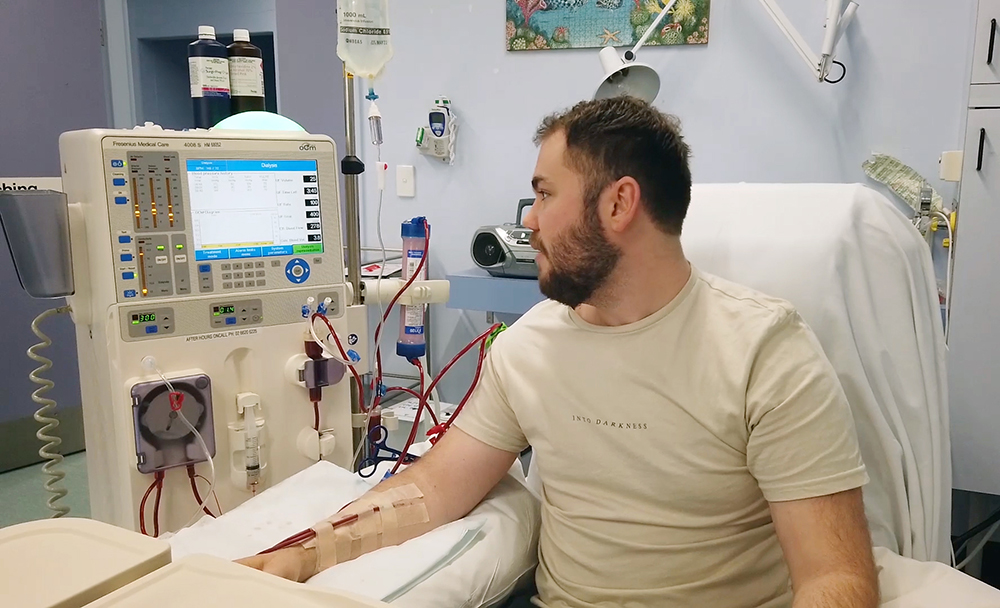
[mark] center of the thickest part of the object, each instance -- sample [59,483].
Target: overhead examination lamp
[623,75]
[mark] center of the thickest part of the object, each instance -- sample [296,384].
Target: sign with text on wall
[31,183]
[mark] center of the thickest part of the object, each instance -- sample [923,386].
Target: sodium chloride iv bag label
[363,42]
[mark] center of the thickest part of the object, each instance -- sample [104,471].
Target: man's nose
[530,220]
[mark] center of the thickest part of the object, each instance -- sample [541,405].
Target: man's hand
[829,551]
[294,563]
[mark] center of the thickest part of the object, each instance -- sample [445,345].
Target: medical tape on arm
[325,545]
[366,533]
[407,502]
[378,524]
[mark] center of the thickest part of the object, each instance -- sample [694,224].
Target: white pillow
[907,583]
[502,561]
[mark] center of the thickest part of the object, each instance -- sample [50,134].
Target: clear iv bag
[363,42]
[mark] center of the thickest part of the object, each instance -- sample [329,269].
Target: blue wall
[53,66]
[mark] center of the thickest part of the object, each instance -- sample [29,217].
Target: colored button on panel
[118,181]
[277,250]
[297,271]
[127,257]
[244,252]
[212,254]
[152,329]
[124,239]
[121,200]
[128,276]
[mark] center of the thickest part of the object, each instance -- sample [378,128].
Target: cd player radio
[505,250]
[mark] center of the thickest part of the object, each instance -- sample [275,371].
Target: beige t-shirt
[660,443]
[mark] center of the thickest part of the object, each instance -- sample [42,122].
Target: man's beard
[579,263]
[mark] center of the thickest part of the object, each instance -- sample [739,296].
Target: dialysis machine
[193,255]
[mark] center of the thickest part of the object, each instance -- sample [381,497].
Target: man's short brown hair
[612,138]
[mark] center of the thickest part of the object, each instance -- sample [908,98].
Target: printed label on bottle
[413,257]
[414,319]
[246,76]
[209,76]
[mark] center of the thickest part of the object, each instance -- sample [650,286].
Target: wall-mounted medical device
[192,254]
[505,250]
[623,75]
[437,139]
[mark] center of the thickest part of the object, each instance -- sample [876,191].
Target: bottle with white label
[411,342]
[208,68]
[246,74]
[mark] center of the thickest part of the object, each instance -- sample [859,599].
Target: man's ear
[622,203]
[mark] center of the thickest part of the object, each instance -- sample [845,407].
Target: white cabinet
[986,58]
[974,355]
[974,345]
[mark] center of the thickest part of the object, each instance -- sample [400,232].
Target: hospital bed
[859,274]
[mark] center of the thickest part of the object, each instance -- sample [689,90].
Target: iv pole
[352,167]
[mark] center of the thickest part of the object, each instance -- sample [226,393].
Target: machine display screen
[143,317]
[254,208]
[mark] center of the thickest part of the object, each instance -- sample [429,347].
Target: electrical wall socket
[951,165]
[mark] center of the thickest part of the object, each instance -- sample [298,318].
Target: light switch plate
[406,186]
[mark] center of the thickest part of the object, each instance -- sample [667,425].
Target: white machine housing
[143,288]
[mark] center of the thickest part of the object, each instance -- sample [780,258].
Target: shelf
[476,289]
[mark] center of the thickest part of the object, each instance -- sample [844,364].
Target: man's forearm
[838,591]
[302,562]
[364,537]
[444,497]
[444,485]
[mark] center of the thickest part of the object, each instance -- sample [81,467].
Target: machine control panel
[239,216]
[218,315]
[150,323]
[236,314]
